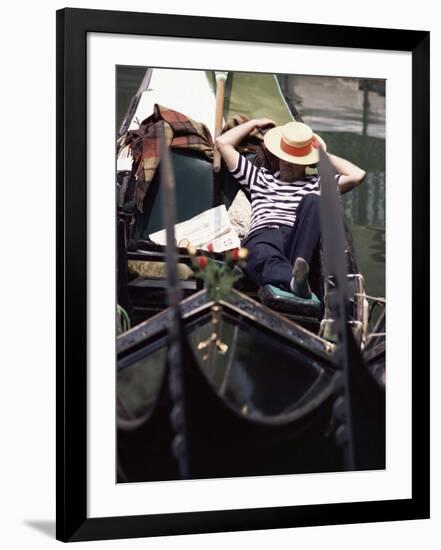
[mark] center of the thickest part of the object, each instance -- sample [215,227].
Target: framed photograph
[237,202]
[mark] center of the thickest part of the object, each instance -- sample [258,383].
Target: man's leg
[304,238]
[267,263]
[302,243]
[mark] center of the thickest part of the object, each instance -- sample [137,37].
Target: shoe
[299,282]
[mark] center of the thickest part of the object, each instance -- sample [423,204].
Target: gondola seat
[194,193]
[197,190]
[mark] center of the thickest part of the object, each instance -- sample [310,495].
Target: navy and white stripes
[273,202]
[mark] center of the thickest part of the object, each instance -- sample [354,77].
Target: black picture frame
[71,431]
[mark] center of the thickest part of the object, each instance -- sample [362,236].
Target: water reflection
[349,113]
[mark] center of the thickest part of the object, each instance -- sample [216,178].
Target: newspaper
[210,230]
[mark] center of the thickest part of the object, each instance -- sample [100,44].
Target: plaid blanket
[180,132]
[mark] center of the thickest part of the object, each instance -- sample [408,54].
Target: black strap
[176,344]
[333,246]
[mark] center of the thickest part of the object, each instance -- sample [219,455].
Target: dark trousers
[273,250]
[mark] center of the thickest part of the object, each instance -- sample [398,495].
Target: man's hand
[227,143]
[318,142]
[263,122]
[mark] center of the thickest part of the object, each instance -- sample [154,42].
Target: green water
[348,113]
[365,205]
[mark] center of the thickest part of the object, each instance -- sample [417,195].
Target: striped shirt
[273,202]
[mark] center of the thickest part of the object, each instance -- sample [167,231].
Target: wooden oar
[221,77]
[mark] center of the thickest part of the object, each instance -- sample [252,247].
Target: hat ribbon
[296,151]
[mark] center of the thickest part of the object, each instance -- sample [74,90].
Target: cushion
[240,214]
[287,302]
[143,268]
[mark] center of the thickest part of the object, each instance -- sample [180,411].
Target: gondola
[241,419]
[186,409]
[142,291]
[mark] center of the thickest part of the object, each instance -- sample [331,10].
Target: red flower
[235,254]
[202,262]
[210,247]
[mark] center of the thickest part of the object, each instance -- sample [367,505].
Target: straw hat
[294,142]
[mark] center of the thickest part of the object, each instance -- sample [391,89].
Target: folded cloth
[181,132]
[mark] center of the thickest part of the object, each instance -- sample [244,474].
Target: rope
[125,319]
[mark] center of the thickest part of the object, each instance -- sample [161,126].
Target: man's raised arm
[227,143]
[351,175]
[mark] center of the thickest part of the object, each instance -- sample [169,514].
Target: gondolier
[285,228]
